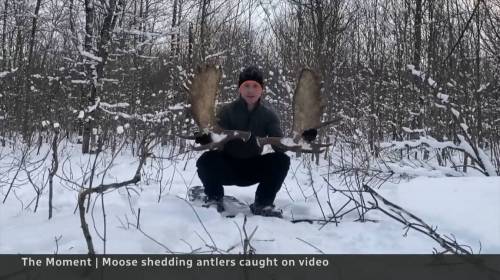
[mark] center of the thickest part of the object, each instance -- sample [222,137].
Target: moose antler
[307,105]
[202,94]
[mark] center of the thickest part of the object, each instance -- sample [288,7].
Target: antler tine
[209,146]
[222,138]
[329,122]
[293,147]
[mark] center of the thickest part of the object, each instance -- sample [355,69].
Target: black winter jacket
[262,121]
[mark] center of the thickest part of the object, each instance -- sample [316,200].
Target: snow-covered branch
[478,157]
[4,74]
[468,144]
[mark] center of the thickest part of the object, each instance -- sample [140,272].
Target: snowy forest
[93,98]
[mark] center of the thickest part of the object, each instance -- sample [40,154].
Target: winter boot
[265,210]
[217,201]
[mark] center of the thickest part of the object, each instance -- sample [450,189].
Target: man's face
[251,91]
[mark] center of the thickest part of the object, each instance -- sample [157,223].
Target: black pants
[216,169]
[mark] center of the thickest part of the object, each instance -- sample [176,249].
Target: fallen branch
[105,187]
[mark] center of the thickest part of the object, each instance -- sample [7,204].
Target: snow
[466,207]
[443,97]
[178,106]
[117,105]
[416,72]
[439,105]
[113,81]
[409,130]
[50,78]
[4,74]
[483,87]
[455,112]
[185,86]
[214,55]
[79,82]
[119,129]
[431,82]
[93,107]
[90,56]
[120,114]
[464,126]
[149,35]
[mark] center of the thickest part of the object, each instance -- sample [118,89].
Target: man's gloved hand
[310,134]
[203,139]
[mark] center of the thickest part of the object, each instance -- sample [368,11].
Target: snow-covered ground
[467,208]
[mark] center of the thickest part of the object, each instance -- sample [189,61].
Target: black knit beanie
[251,73]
